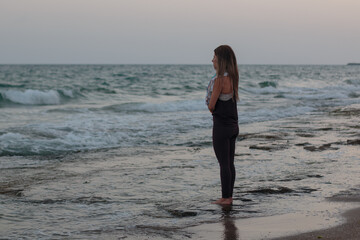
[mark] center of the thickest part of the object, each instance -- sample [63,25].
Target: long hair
[227,63]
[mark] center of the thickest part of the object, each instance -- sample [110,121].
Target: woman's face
[215,62]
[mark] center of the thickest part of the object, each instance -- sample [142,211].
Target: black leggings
[224,139]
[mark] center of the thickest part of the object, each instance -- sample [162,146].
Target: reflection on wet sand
[230,229]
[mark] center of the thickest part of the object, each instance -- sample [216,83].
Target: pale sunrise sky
[178,31]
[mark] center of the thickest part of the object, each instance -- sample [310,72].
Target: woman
[221,101]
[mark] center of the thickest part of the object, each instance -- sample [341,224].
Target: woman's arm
[215,93]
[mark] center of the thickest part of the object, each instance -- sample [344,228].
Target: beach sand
[286,199]
[326,223]
[336,217]
[347,231]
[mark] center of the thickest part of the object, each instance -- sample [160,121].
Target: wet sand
[286,170]
[350,229]
[323,221]
[285,226]
[347,231]
[336,217]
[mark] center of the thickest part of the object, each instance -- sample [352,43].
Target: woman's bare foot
[219,201]
[227,201]
[224,201]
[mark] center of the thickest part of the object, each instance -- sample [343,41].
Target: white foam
[67,93]
[187,105]
[265,90]
[173,106]
[333,92]
[11,137]
[33,97]
[81,133]
[337,92]
[266,114]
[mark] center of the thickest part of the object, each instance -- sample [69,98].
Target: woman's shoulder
[219,80]
[223,79]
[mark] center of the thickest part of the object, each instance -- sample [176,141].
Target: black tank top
[225,113]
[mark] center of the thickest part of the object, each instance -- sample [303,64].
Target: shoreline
[326,216]
[350,230]
[333,220]
[289,170]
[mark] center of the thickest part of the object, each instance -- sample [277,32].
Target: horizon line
[338,64]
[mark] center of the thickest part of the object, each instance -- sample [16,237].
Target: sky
[178,31]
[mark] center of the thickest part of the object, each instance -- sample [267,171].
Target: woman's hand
[215,94]
[211,110]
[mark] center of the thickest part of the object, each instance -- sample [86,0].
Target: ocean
[125,151]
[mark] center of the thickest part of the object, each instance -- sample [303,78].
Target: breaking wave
[35,97]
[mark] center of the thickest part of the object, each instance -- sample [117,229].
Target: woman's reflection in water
[230,229]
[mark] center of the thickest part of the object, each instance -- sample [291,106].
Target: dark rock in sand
[278,136]
[289,179]
[271,137]
[245,199]
[307,190]
[244,136]
[282,190]
[303,144]
[181,213]
[266,148]
[346,112]
[270,148]
[278,190]
[315,176]
[350,195]
[320,148]
[12,192]
[353,142]
[308,135]
[324,129]
[242,154]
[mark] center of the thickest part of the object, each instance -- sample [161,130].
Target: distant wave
[268,84]
[174,106]
[35,97]
[338,92]
[6,85]
[266,114]
[97,129]
[355,82]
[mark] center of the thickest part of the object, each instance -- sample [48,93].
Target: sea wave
[268,114]
[173,106]
[355,82]
[338,92]
[36,97]
[7,85]
[21,144]
[268,84]
[326,93]
[94,130]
